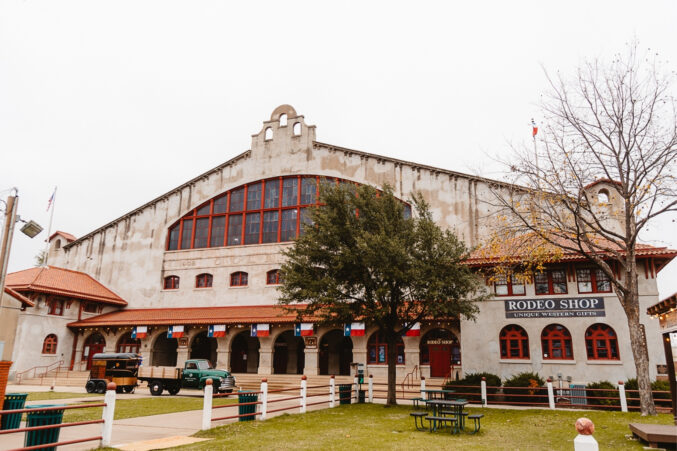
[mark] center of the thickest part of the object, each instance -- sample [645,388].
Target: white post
[371,388]
[584,441]
[354,400]
[624,400]
[551,395]
[484,391]
[423,387]
[264,398]
[332,392]
[108,414]
[207,405]
[304,389]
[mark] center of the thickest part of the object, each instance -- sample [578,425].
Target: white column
[484,391]
[304,392]
[551,395]
[354,400]
[108,414]
[371,388]
[207,405]
[264,398]
[621,393]
[332,392]
[423,387]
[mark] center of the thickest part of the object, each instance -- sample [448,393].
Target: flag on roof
[414,331]
[51,199]
[354,330]
[217,330]
[303,330]
[175,332]
[139,332]
[260,330]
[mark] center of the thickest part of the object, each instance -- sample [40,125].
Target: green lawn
[141,407]
[368,426]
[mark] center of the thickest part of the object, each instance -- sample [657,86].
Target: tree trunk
[392,369]
[640,351]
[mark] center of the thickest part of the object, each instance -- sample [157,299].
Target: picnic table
[440,405]
[437,394]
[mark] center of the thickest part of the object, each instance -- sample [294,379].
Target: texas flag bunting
[175,332]
[354,330]
[303,330]
[140,332]
[260,330]
[217,330]
[414,331]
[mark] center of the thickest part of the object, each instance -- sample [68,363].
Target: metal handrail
[48,368]
[410,378]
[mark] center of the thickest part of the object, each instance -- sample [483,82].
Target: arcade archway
[204,347]
[288,354]
[128,344]
[244,353]
[441,350]
[164,351]
[336,353]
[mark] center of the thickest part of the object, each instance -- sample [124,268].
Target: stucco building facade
[207,253]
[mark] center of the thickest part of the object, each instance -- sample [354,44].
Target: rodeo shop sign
[554,308]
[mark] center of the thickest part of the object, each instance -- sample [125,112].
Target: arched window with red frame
[601,342]
[514,342]
[556,343]
[171,283]
[49,345]
[273,277]
[203,280]
[377,349]
[239,279]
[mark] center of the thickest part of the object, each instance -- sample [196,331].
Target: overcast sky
[118,102]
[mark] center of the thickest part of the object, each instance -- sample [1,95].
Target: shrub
[602,393]
[631,384]
[474,379]
[533,383]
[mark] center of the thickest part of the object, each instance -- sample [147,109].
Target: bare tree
[603,168]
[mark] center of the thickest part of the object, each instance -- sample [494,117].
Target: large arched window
[556,343]
[171,283]
[239,279]
[267,211]
[377,349]
[128,344]
[601,343]
[203,280]
[49,345]
[514,342]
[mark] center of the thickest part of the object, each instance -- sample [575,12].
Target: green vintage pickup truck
[194,375]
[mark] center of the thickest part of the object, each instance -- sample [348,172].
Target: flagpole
[534,133]
[49,228]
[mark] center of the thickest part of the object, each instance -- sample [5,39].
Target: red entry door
[93,349]
[440,360]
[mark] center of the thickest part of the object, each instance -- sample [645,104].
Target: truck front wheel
[155,388]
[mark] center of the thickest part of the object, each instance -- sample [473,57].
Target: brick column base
[5,365]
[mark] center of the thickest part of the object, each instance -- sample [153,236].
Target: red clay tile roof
[605,180]
[65,282]
[191,316]
[20,297]
[664,306]
[514,250]
[68,236]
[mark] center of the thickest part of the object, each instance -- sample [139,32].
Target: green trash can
[361,396]
[345,393]
[246,396]
[43,418]
[13,401]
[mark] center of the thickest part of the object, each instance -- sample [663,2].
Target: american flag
[51,199]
